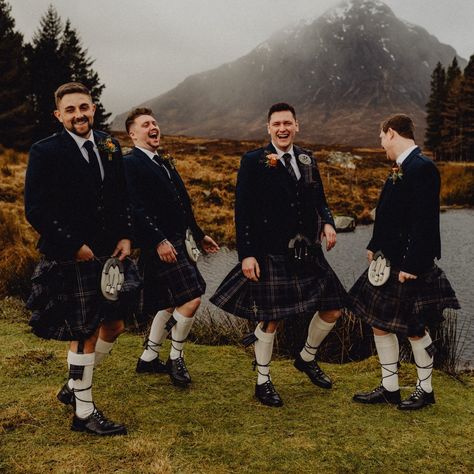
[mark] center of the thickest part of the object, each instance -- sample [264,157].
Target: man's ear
[57,114]
[297,126]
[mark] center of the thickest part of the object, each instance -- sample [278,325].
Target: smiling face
[76,112]
[145,133]
[282,128]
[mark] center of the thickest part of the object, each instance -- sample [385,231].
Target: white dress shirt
[80,143]
[293,163]
[152,155]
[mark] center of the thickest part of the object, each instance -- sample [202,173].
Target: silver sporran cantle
[112,279]
[191,247]
[379,269]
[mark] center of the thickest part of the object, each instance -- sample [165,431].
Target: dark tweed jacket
[406,225]
[161,209]
[270,208]
[65,205]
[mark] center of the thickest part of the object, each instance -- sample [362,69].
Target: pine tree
[452,131]
[79,68]
[466,112]
[56,56]
[14,110]
[46,72]
[435,108]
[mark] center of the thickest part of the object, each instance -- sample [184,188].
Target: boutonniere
[107,146]
[396,173]
[170,160]
[271,159]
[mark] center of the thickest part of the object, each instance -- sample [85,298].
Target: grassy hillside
[216,426]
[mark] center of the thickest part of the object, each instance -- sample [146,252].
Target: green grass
[216,426]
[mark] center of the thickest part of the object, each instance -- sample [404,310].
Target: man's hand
[123,249]
[84,254]
[330,234]
[167,252]
[370,256]
[209,245]
[403,277]
[250,268]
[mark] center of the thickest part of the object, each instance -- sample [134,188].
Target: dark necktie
[93,161]
[289,168]
[161,162]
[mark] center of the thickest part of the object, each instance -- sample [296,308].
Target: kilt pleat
[67,303]
[168,284]
[280,293]
[403,308]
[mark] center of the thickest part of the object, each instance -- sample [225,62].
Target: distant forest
[450,113]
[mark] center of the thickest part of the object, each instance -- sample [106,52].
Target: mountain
[344,72]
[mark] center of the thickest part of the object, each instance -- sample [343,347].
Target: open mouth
[283,136]
[154,134]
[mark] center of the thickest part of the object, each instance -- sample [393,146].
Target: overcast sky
[143,48]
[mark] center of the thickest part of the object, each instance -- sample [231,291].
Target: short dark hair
[402,124]
[281,107]
[70,88]
[137,112]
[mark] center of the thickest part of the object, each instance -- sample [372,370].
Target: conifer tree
[451,136]
[466,105]
[435,109]
[14,110]
[56,56]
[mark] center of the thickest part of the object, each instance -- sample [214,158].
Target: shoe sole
[327,387]
[414,409]
[179,384]
[384,402]
[268,404]
[85,430]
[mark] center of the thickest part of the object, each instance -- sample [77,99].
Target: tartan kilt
[167,285]
[280,293]
[67,302]
[403,308]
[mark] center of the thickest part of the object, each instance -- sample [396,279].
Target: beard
[81,127]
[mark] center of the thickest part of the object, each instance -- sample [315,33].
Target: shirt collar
[401,158]
[148,153]
[280,153]
[81,140]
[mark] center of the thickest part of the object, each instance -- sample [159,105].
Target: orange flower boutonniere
[271,160]
[107,146]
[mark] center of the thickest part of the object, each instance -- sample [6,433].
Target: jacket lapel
[152,167]
[409,159]
[74,155]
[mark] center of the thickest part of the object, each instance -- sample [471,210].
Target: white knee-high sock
[157,335]
[179,333]
[102,350]
[318,329]
[263,354]
[388,352]
[83,387]
[423,361]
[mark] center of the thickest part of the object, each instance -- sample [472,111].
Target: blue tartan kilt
[403,308]
[167,285]
[281,292]
[67,303]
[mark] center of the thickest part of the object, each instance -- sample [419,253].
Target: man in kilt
[75,198]
[281,217]
[164,221]
[406,234]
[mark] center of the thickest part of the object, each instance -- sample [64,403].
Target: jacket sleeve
[42,201]
[244,203]
[423,218]
[321,202]
[145,221]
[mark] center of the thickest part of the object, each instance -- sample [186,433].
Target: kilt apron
[403,308]
[280,293]
[67,302]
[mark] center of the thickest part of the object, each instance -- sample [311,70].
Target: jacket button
[292,204]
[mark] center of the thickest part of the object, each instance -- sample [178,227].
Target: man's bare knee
[330,316]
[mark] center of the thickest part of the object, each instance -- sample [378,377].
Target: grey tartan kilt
[67,303]
[280,293]
[403,308]
[168,285]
